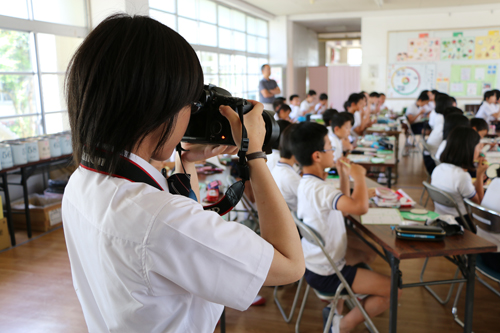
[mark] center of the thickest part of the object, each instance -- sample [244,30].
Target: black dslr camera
[209,126]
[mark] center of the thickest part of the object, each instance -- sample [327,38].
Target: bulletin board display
[460,62]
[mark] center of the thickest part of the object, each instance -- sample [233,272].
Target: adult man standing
[267,88]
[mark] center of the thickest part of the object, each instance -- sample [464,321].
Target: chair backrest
[445,199]
[428,150]
[486,219]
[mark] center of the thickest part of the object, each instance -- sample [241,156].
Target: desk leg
[395,283]
[10,223]
[389,176]
[469,296]
[24,182]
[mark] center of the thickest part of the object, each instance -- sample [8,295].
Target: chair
[414,143]
[488,220]
[447,200]
[426,149]
[253,218]
[288,318]
[344,291]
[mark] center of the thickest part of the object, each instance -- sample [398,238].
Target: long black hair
[460,146]
[130,77]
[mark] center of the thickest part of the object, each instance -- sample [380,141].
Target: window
[33,66]
[230,44]
[354,56]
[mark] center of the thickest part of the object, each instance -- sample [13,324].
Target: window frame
[40,27]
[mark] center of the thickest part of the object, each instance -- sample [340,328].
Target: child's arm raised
[357,204]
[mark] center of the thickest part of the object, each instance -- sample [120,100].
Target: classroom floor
[38,295]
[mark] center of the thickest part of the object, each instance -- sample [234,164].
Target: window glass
[187,8]
[20,127]
[252,44]
[253,95]
[189,30]
[238,20]
[167,19]
[55,52]
[262,45]
[225,64]
[251,25]
[240,64]
[253,65]
[15,51]
[224,17]
[261,28]
[240,85]
[239,41]
[70,12]
[225,36]
[209,62]
[57,122]
[208,11]
[18,94]
[208,34]
[226,82]
[164,5]
[14,8]
[53,92]
[213,79]
[253,82]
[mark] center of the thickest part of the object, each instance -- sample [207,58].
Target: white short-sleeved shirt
[272,159]
[295,111]
[491,201]
[456,182]
[414,109]
[357,122]
[440,149]
[320,108]
[287,179]
[436,136]
[305,105]
[336,143]
[486,110]
[317,207]
[429,107]
[432,118]
[145,260]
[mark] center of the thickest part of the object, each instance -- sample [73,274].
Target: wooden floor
[37,294]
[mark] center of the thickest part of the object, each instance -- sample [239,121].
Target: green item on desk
[333,177]
[384,151]
[419,217]
[376,160]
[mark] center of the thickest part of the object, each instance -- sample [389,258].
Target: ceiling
[299,7]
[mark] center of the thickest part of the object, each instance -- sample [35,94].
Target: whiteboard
[461,62]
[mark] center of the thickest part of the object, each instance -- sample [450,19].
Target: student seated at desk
[274,157]
[416,112]
[488,109]
[355,105]
[338,133]
[451,176]
[490,201]
[450,122]
[321,205]
[480,126]
[285,173]
[283,112]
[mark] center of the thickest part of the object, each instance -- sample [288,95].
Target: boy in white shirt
[488,109]
[322,105]
[295,106]
[415,113]
[285,172]
[273,158]
[320,206]
[307,105]
[338,133]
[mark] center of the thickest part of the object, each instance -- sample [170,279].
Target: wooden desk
[389,163]
[395,250]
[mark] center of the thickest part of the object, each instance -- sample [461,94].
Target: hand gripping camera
[209,126]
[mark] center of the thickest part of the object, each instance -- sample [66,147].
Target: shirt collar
[149,169]
[310,175]
[285,165]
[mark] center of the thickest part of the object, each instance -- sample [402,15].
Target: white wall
[374,36]
[304,53]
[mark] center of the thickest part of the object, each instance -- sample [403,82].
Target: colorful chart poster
[408,80]
[423,49]
[458,48]
[487,47]
[471,80]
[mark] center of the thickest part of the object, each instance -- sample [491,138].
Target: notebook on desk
[382,216]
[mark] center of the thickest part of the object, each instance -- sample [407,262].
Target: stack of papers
[382,216]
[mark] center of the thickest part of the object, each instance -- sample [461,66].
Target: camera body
[209,126]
